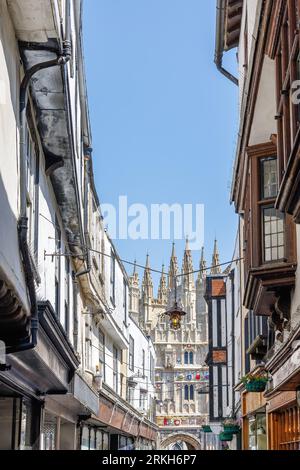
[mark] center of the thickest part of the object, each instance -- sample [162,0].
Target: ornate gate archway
[190,440]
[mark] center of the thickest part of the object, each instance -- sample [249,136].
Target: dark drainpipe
[87,167]
[61,60]
[219,43]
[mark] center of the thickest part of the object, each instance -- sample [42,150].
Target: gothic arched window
[189,392]
[191,358]
[186,357]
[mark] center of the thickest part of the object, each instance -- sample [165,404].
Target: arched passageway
[174,439]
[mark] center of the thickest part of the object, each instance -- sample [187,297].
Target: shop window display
[257,432]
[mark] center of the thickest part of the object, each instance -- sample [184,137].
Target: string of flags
[201,376]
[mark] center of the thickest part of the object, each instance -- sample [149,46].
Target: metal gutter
[219,48]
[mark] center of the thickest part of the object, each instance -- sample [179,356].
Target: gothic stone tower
[181,375]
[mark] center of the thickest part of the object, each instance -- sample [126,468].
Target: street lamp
[175,313]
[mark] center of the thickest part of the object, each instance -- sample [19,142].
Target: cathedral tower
[180,370]
[201,305]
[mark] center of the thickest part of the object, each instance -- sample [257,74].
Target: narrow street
[149,228]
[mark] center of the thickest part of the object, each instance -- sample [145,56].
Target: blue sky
[164,120]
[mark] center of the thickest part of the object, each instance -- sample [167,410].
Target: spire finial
[162,289]
[173,269]
[187,267]
[187,244]
[173,250]
[202,265]
[134,267]
[147,285]
[147,261]
[215,269]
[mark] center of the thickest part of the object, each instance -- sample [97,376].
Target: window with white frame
[32,179]
[131,353]
[125,300]
[112,276]
[152,369]
[102,353]
[143,400]
[96,237]
[143,362]
[102,257]
[116,358]
[88,347]
[130,395]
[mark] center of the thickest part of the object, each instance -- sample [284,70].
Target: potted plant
[206,428]
[231,426]
[225,436]
[255,383]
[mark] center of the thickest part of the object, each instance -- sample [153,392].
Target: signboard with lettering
[286,371]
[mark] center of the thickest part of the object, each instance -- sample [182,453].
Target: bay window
[269,233]
[268,224]
[272,219]
[273,234]
[283,48]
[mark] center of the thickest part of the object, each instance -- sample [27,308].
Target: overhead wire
[134,263]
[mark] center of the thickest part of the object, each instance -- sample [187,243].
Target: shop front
[257,431]
[284,422]
[254,427]
[121,442]
[123,427]
[283,409]
[20,420]
[92,437]
[41,395]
